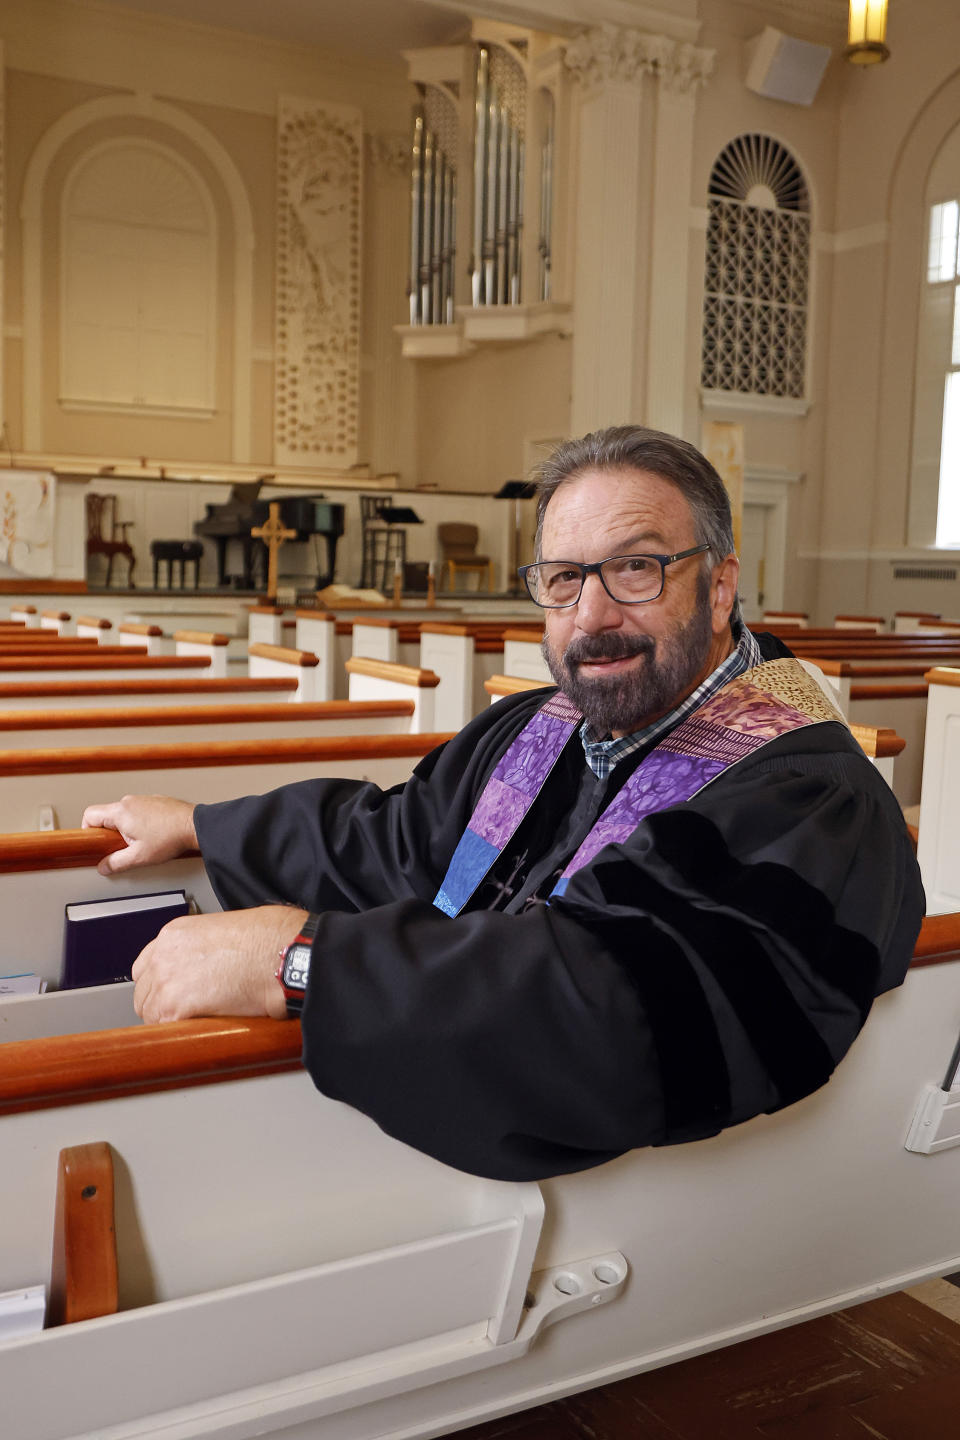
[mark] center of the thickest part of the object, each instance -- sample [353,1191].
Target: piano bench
[176,552]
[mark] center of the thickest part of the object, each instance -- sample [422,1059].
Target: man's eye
[638,564]
[566,576]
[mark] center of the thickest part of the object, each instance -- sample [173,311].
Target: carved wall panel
[316,403]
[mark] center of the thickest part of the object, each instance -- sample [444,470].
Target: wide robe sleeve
[715,966]
[346,844]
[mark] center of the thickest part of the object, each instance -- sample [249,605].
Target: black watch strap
[294,969]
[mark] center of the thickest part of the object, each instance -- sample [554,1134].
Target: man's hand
[155,828]
[216,965]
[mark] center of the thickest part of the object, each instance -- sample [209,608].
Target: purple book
[102,938]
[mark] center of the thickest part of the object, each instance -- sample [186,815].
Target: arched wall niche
[46,427]
[912,506]
[138,282]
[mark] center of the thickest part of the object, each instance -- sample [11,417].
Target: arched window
[138,249]
[936,416]
[756,283]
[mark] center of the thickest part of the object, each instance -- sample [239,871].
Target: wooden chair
[106,535]
[458,543]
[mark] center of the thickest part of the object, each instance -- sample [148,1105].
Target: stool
[176,552]
[480,565]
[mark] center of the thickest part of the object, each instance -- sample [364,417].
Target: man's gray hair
[633,447]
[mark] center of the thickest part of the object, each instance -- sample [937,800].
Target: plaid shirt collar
[603,754]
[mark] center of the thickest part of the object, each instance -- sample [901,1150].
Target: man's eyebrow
[643,537]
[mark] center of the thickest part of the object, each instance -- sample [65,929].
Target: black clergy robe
[716,965]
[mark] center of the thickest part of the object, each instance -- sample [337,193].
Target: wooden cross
[273,534]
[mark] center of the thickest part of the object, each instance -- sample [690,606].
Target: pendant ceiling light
[866,39]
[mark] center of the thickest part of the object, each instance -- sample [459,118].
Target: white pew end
[380,680]
[274,661]
[204,642]
[90,627]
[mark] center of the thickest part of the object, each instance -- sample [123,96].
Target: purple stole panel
[733,724]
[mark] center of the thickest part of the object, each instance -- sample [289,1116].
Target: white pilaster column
[630,271]
[681,72]
[607,345]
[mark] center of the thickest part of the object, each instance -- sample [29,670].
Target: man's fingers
[100,817]
[117,860]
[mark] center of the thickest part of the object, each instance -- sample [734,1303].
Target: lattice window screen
[757,276]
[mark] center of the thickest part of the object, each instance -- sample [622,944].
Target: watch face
[296,966]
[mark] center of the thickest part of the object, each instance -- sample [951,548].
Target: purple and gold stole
[768,701]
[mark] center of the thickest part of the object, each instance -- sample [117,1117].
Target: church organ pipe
[498,161]
[432,236]
[490,204]
[546,204]
[436,246]
[426,229]
[416,202]
[515,217]
[450,220]
[479,171]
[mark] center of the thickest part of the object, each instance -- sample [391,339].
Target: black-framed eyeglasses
[628,579]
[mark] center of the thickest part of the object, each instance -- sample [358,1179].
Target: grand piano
[309,515]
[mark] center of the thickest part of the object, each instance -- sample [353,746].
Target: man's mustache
[607,647]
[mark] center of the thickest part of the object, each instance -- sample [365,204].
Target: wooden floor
[889,1370]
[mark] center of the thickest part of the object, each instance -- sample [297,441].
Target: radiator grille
[924,572]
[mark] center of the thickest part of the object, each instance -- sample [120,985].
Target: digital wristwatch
[294,968]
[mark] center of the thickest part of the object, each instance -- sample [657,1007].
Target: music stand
[395,548]
[516,490]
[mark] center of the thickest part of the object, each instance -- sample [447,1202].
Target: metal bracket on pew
[47,818]
[936,1123]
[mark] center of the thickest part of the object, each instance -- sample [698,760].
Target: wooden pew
[796,619]
[133,632]
[380,680]
[906,621]
[315,632]
[936,626]
[57,620]
[210,644]
[876,623]
[265,626]
[173,723]
[879,693]
[273,662]
[197,690]
[938,844]
[522,654]
[85,665]
[94,627]
[801,1221]
[70,778]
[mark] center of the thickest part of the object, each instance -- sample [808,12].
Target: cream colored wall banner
[722,443]
[27,513]
[319,159]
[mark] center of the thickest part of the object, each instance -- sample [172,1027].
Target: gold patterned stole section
[754,703]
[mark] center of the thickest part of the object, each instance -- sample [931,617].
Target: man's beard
[628,700]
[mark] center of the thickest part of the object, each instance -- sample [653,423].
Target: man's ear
[723,592]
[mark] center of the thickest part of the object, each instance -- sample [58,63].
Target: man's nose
[596,610]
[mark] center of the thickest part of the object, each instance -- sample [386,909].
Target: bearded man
[633,910]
